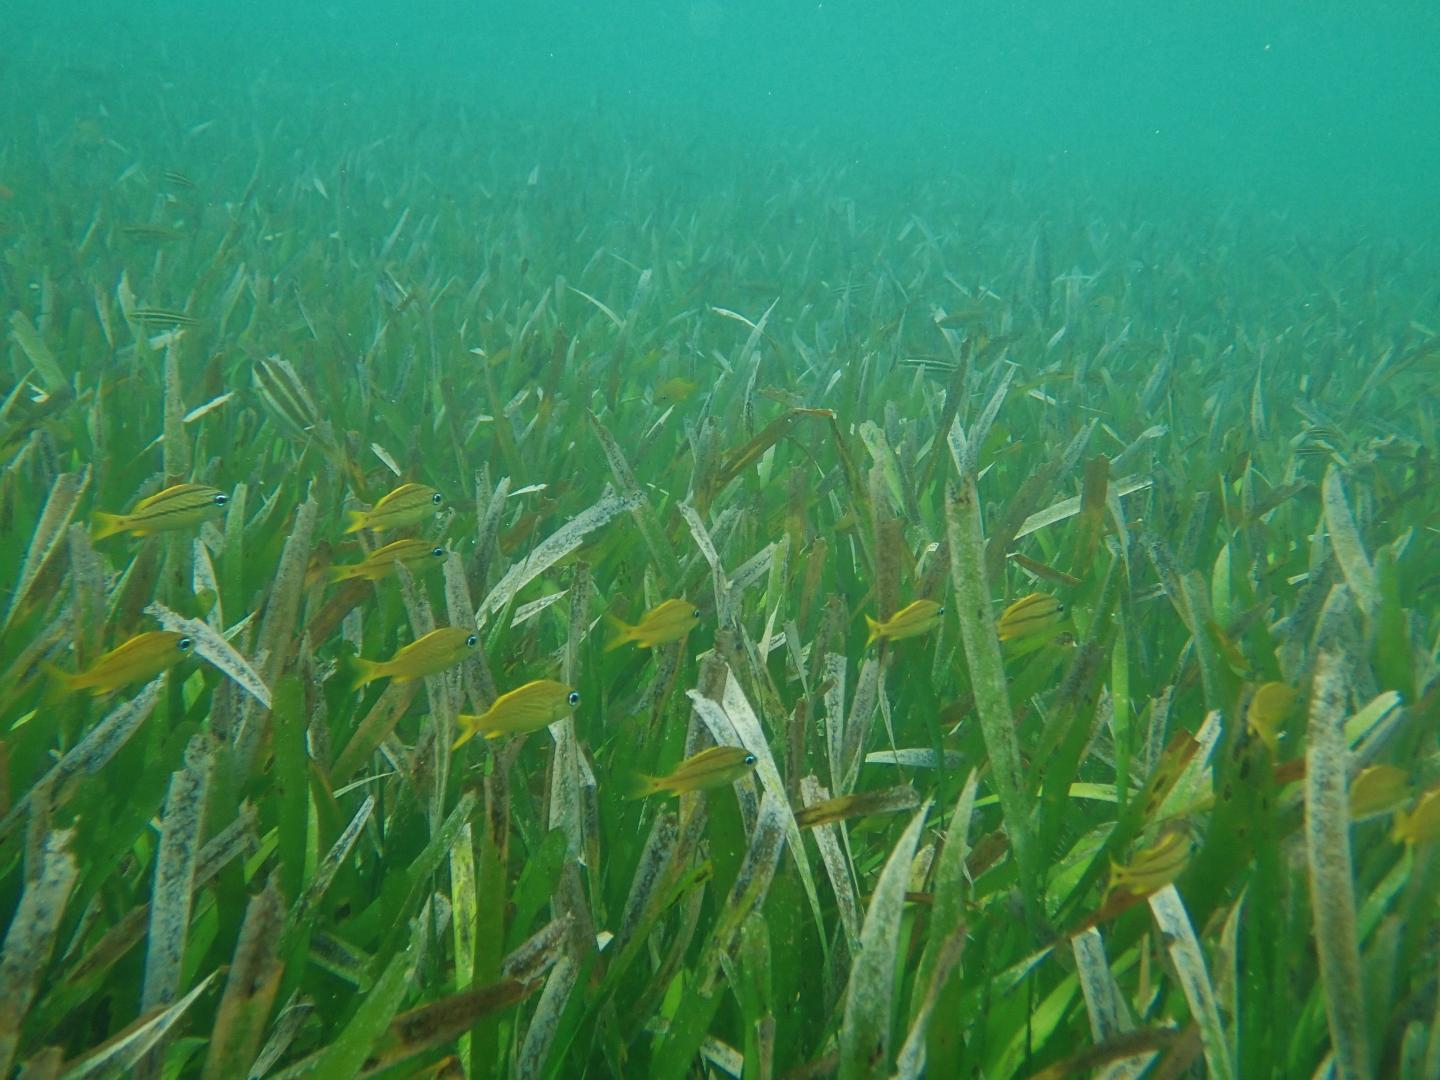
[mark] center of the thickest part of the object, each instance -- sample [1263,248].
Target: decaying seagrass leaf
[65,495]
[250,988]
[551,550]
[646,521]
[292,1016]
[173,892]
[828,839]
[176,449]
[438,1022]
[545,1021]
[987,671]
[1348,547]
[1175,928]
[99,745]
[30,937]
[210,644]
[746,725]
[329,866]
[1068,508]
[1327,849]
[33,345]
[910,1061]
[282,607]
[865,1029]
[751,886]
[122,1051]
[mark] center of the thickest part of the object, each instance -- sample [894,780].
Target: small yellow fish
[432,653]
[710,768]
[1153,867]
[674,391]
[406,505]
[1029,616]
[141,658]
[177,507]
[526,708]
[915,619]
[415,554]
[1378,789]
[661,625]
[1421,824]
[1270,708]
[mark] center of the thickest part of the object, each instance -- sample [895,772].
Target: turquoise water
[1326,107]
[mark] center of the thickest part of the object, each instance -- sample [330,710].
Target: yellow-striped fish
[436,651]
[406,505]
[1270,709]
[1030,615]
[141,658]
[710,768]
[526,708]
[415,554]
[1421,823]
[661,625]
[914,619]
[1153,867]
[177,507]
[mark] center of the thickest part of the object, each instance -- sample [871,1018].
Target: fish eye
[695,614]
[437,552]
[941,611]
[573,697]
[221,498]
[472,641]
[749,759]
[184,644]
[437,498]
[1060,607]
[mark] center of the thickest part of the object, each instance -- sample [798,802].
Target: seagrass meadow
[894,621]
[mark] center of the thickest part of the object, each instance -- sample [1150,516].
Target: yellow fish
[1153,867]
[661,625]
[910,621]
[1030,615]
[432,653]
[709,768]
[406,505]
[141,658]
[415,554]
[1421,824]
[526,708]
[1378,789]
[1270,708]
[674,391]
[177,507]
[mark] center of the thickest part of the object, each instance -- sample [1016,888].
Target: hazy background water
[1323,108]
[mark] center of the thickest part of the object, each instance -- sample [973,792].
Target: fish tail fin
[104,524]
[467,731]
[638,786]
[1400,827]
[354,521]
[366,672]
[875,631]
[59,684]
[333,575]
[624,632]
